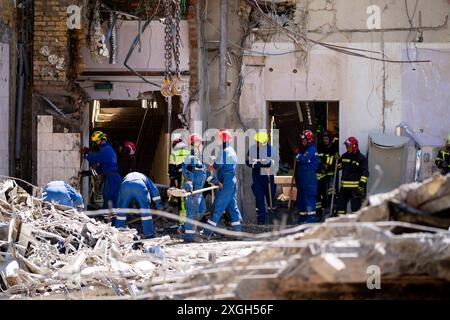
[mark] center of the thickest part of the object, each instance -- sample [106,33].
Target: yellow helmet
[261,137]
[98,135]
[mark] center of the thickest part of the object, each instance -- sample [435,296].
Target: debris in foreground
[399,243]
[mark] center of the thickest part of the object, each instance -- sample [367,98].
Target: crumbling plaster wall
[356,82]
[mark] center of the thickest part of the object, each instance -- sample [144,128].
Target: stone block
[58,141]
[44,124]
[45,141]
[58,159]
[59,173]
[71,159]
[45,175]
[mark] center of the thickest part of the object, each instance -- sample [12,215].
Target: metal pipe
[19,106]
[113,39]
[223,53]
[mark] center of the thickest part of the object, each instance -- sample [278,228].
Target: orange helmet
[192,138]
[308,135]
[224,135]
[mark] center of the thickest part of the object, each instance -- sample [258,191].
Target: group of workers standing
[315,171]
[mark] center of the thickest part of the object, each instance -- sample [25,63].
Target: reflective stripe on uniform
[212,223]
[310,213]
[189,231]
[237,223]
[146,218]
[121,218]
[363,179]
[350,184]
[209,178]
[302,213]
[156,198]
[346,160]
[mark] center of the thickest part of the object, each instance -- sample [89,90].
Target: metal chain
[177,17]
[168,40]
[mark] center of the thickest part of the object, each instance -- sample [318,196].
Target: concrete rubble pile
[47,251]
[336,259]
[401,236]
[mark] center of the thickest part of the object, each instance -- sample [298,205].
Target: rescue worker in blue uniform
[306,179]
[137,186]
[354,166]
[224,176]
[62,193]
[194,177]
[262,157]
[106,160]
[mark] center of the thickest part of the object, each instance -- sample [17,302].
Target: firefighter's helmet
[308,135]
[192,138]
[261,137]
[352,141]
[224,135]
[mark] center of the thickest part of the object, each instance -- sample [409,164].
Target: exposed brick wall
[50,30]
[193,46]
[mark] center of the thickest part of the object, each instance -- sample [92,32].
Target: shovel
[180,193]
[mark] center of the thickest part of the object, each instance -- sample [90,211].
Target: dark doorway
[292,117]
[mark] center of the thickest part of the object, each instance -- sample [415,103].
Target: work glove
[256,164]
[85,150]
[361,191]
[86,173]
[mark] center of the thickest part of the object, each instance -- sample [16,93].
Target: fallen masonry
[396,247]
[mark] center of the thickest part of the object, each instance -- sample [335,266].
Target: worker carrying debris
[194,172]
[306,178]
[179,152]
[443,158]
[60,192]
[106,165]
[328,156]
[225,177]
[354,166]
[261,157]
[137,186]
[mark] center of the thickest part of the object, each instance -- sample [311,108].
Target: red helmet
[224,135]
[192,138]
[352,141]
[308,135]
[176,141]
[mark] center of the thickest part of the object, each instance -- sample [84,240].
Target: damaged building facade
[290,65]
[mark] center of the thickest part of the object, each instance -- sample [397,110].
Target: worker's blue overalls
[194,177]
[137,186]
[106,161]
[226,198]
[306,182]
[262,159]
[62,193]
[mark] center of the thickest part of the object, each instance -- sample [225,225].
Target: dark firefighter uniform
[355,172]
[325,175]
